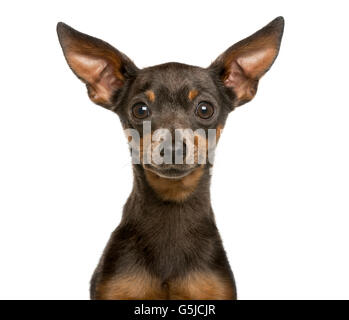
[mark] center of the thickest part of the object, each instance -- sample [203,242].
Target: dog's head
[171,96]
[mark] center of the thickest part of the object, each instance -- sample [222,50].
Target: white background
[280,185]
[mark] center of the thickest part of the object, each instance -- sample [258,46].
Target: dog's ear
[243,64]
[103,68]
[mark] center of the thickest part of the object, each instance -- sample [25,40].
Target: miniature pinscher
[167,245]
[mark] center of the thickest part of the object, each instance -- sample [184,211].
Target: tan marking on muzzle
[174,189]
[219,131]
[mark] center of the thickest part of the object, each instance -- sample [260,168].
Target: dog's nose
[178,152]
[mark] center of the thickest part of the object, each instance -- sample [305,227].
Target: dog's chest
[177,242]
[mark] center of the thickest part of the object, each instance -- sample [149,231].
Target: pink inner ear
[87,68]
[244,63]
[256,63]
[245,69]
[234,76]
[244,87]
[98,74]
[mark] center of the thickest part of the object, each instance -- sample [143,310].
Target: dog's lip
[170,173]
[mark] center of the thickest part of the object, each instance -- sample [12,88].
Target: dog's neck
[153,196]
[169,231]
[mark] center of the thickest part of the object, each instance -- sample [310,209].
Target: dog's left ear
[243,64]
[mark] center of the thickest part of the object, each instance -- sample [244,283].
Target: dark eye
[140,111]
[204,110]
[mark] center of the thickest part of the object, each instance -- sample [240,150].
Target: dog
[167,245]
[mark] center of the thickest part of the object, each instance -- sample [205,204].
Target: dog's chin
[171,172]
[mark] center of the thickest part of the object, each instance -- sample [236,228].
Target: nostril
[178,151]
[167,153]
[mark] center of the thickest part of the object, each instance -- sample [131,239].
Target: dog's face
[171,96]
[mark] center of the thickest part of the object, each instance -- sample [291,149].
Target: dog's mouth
[171,172]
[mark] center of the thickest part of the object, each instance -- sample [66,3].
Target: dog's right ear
[103,68]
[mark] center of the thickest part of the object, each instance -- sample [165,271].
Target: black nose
[179,151]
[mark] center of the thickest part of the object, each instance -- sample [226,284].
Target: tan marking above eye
[150,95]
[193,94]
